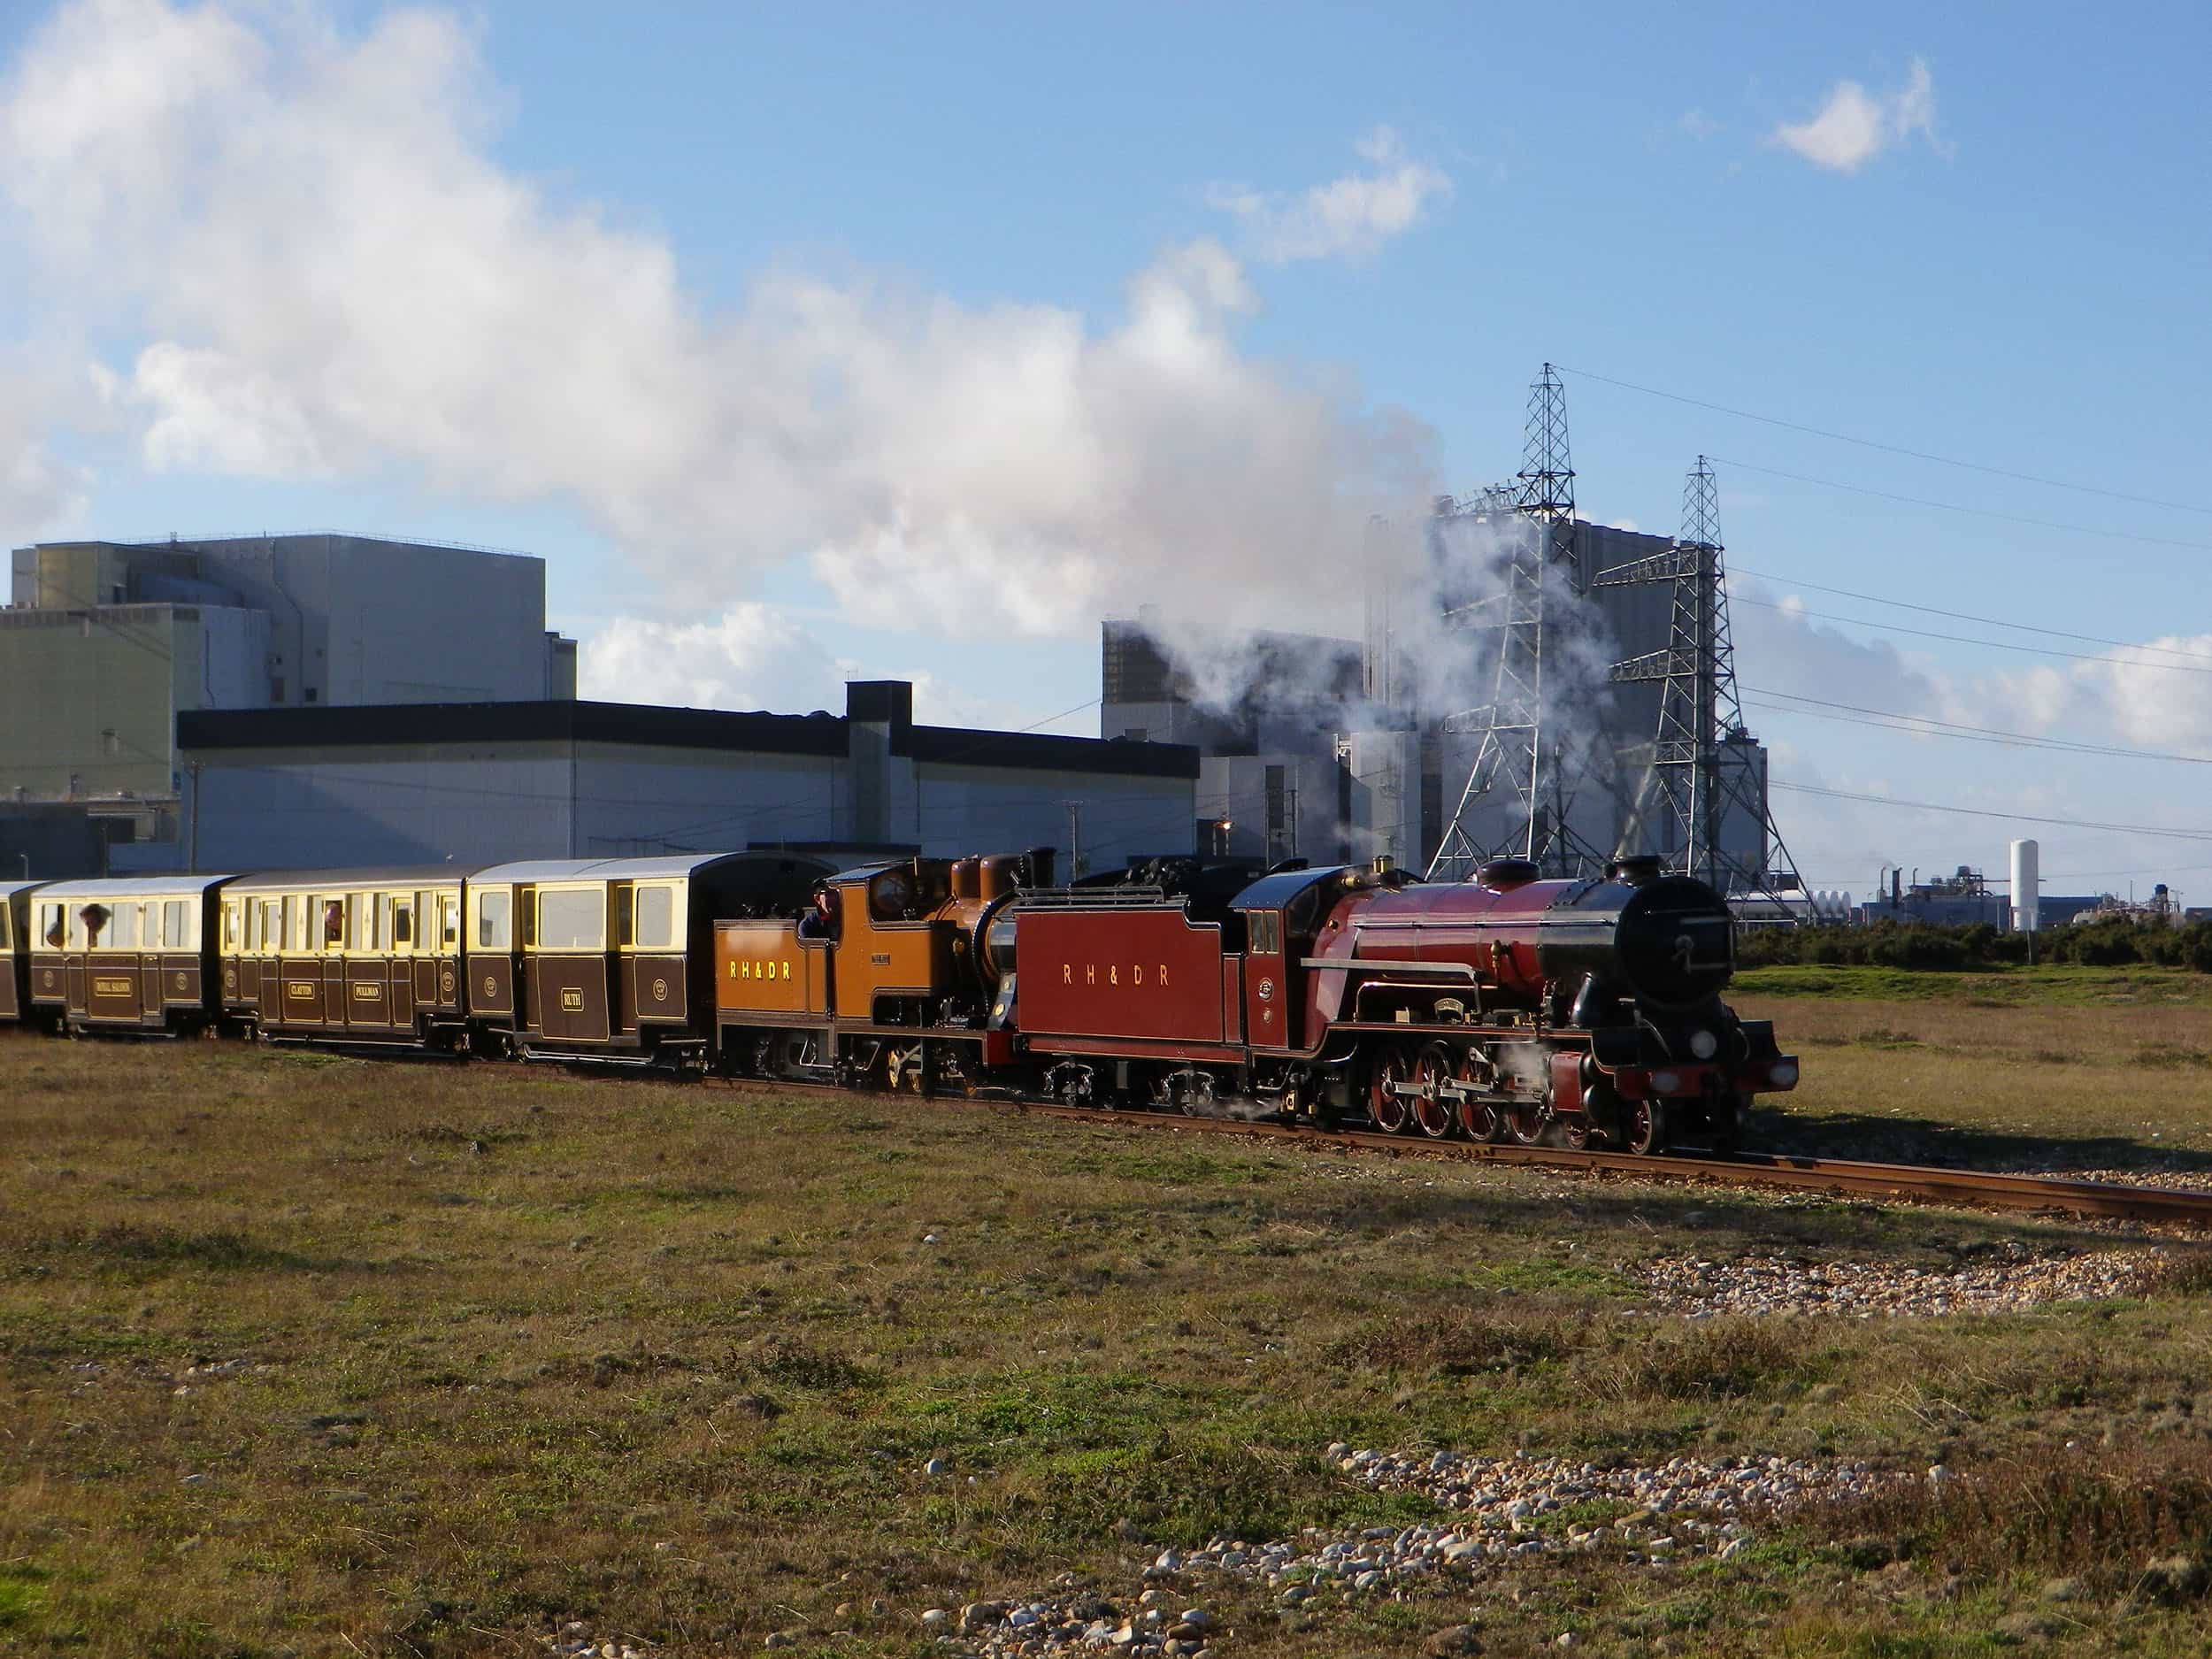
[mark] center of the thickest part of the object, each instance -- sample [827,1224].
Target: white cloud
[1356,214]
[37,486]
[754,657]
[322,269]
[2155,699]
[751,657]
[1855,126]
[1698,125]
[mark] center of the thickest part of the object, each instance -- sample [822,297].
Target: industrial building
[1332,747]
[479,782]
[104,644]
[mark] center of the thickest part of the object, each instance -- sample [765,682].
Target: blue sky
[2004,261]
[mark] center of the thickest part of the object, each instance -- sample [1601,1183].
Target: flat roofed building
[479,783]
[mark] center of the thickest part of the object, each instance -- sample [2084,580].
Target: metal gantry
[1704,769]
[1517,752]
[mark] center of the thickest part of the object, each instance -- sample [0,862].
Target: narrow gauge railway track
[1835,1178]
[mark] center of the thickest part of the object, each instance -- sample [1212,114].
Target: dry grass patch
[330,1356]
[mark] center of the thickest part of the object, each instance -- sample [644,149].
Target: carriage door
[622,960]
[150,974]
[1267,985]
[405,912]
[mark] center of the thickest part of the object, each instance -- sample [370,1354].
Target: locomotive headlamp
[1783,1074]
[1665,1082]
[1704,1045]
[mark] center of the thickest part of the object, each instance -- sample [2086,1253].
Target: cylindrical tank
[2027,886]
[1669,941]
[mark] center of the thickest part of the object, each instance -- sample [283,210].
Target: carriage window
[7,926]
[123,929]
[492,921]
[403,922]
[448,919]
[172,925]
[51,927]
[624,914]
[573,920]
[233,915]
[333,923]
[657,918]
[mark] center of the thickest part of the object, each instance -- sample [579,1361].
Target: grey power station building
[1353,760]
[103,644]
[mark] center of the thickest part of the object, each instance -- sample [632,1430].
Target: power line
[2200,836]
[1972,512]
[1963,616]
[1893,448]
[1963,639]
[1929,726]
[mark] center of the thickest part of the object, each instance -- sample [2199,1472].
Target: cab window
[569,919]
[494,919]
[655,918]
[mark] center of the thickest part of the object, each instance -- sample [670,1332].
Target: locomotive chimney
[1383,864]
[1503,875]
[1636,870]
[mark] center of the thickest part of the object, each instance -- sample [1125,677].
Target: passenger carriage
[613,957]
[370,956]
[126,954]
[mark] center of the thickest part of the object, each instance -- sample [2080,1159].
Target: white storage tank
[2027,890]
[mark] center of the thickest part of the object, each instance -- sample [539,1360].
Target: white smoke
[329,272]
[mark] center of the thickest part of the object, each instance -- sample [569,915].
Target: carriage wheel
[903,1070]
[1385,1105]
[1431,1112]
[1645,1125]
[1480,1119]
[1524,1119]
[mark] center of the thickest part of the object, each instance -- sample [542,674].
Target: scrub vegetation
[321,1355]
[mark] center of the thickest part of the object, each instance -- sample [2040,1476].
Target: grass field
[316,1356]
[2074,1068]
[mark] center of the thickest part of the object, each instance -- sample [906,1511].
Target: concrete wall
[646,801]
[982,808]
[93,697]
[352,619]
[273,809]
[358,620]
